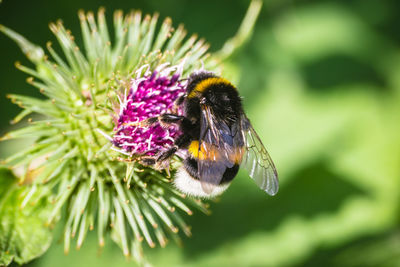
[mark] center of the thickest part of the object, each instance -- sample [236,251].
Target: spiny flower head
[101,91]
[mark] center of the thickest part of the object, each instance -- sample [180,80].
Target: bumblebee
[217,139]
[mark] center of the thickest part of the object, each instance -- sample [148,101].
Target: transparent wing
[217,144]
[257,161]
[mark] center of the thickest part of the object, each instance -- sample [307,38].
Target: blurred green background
[321,84]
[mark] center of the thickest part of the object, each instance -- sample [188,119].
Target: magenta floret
[148,97]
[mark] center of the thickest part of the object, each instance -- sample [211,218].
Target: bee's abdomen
[191,167]
[229,174]
[190,164]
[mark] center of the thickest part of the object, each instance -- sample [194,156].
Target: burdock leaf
[23,234]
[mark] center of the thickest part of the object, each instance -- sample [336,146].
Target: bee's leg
[182,141]
[178,102]
[145,123]
[164,120]
[147,160]
[167,119]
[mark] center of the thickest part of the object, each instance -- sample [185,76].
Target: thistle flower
[87,121]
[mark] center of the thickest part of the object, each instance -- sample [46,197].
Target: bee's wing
[216,143]
[257,161]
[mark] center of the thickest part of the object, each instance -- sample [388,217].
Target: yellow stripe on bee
[204,152]
[208,152]
[206,83]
